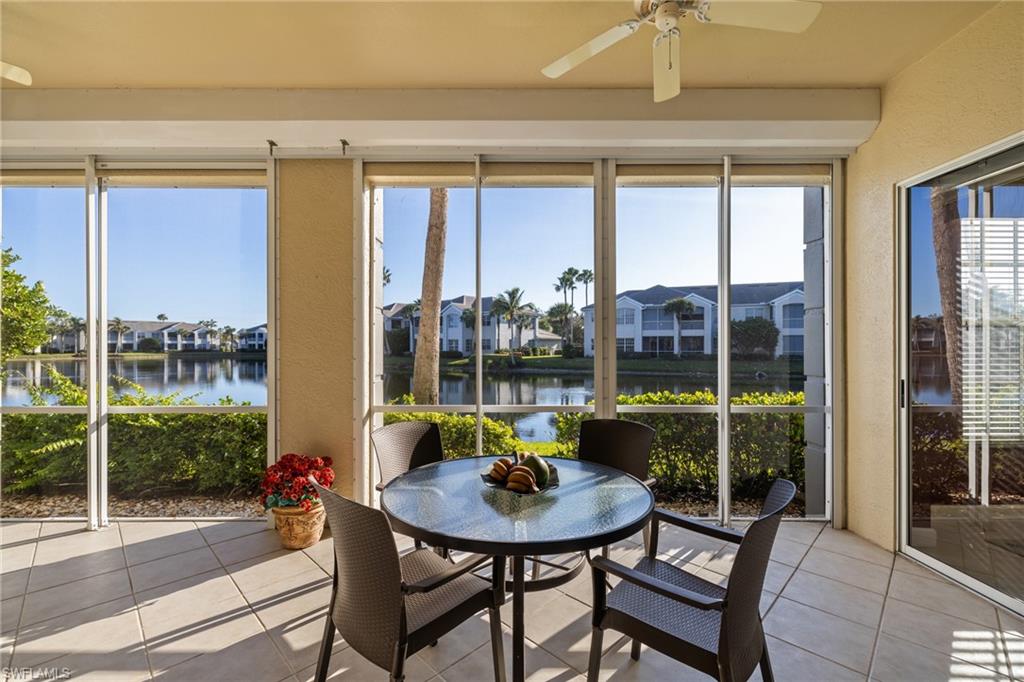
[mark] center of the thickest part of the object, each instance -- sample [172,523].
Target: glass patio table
[447,504]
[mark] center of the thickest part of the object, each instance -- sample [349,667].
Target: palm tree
[509,306]
[571,276]
[585,278]
[119,327]
[386,277]
[228,337]
[469,318]
[562,312]
[680,308]
[77,327]
[58,323]
[946,241]
[566,283]
[425,380]
[162,317]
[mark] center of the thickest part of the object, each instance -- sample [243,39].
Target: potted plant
[287,492]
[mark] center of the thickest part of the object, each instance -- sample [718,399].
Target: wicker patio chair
[405,445]
[389,607]
[713,629]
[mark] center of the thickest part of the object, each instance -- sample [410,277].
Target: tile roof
[742,294]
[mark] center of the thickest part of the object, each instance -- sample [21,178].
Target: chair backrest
[406,445]
[741,637]
[368,604]
[617,443]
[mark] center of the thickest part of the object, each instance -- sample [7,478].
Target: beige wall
[967,93]
[316,312]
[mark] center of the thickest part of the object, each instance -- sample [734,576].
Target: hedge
[148,454]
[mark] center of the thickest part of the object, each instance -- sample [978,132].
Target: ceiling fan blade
[790,16]
[584,52]
[15,73]
[666,65]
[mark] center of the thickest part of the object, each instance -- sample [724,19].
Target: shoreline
[183,354]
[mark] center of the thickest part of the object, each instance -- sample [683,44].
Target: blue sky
[189,253]
[530,235]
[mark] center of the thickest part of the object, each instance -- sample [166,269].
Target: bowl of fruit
[525,473]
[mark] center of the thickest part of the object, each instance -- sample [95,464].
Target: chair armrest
[651,482]
[435,581]
[726,534]
[665,589]
[379,487]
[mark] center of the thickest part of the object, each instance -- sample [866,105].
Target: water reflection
[243,379]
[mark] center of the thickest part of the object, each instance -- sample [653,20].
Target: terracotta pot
[299,529]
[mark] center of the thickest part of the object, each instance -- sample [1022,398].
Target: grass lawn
[699,365]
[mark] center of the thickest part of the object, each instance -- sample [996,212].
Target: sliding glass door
[962,390]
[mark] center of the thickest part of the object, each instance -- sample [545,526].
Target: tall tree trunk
[425,383]
[946,239]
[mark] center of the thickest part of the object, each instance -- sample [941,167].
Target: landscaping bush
[684,457]
[150,345]
[458,431]
[398,341]
[570,351]
[149,454]
[451,354]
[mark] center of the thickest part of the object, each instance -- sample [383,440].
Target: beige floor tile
[897,660]
[863,574]
[323,554]
[841,641]
[59,560]
[458,643]
[149,540]
[540,665]
[617,666]
[1013,642]
[722,561]
[279,572]
[248,547]
[128,666]
[845,542]
[904,565]
[804,532]
[683,546]
[190,603]
[15,532]
[253,659]
[10,614]
[111,628]
[942,596]
[563,629]
[49,529]
[57,601]
[169,569]
[209,636]
[793,664]
[839,599]
[348,665]
[945,634]
[296,625]
[219,531]
[15,563]
[788,552]
[776,576]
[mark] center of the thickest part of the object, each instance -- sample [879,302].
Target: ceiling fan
[791,16]
[15,74]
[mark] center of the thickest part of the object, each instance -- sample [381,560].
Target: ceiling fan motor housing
[667,15]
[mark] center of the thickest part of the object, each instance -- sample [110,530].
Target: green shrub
[148,454]
[150,345]
[458,432]
[684,456]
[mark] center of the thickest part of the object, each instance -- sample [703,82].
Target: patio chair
[617,443]
[389,607]
[713,629]
[405,445]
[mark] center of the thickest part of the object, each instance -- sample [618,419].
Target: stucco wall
[965,94]
[316,312]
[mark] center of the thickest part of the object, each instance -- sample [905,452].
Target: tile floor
[221,601]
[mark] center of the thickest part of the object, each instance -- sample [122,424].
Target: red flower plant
[286,483]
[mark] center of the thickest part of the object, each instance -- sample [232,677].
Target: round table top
[447,504]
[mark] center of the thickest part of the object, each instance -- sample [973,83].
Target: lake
[243,379]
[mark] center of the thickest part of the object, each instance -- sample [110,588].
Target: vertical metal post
[604,292]
[724,340]
[272,296]
[92,339]
[478,306]
[102,443]
[835,371]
